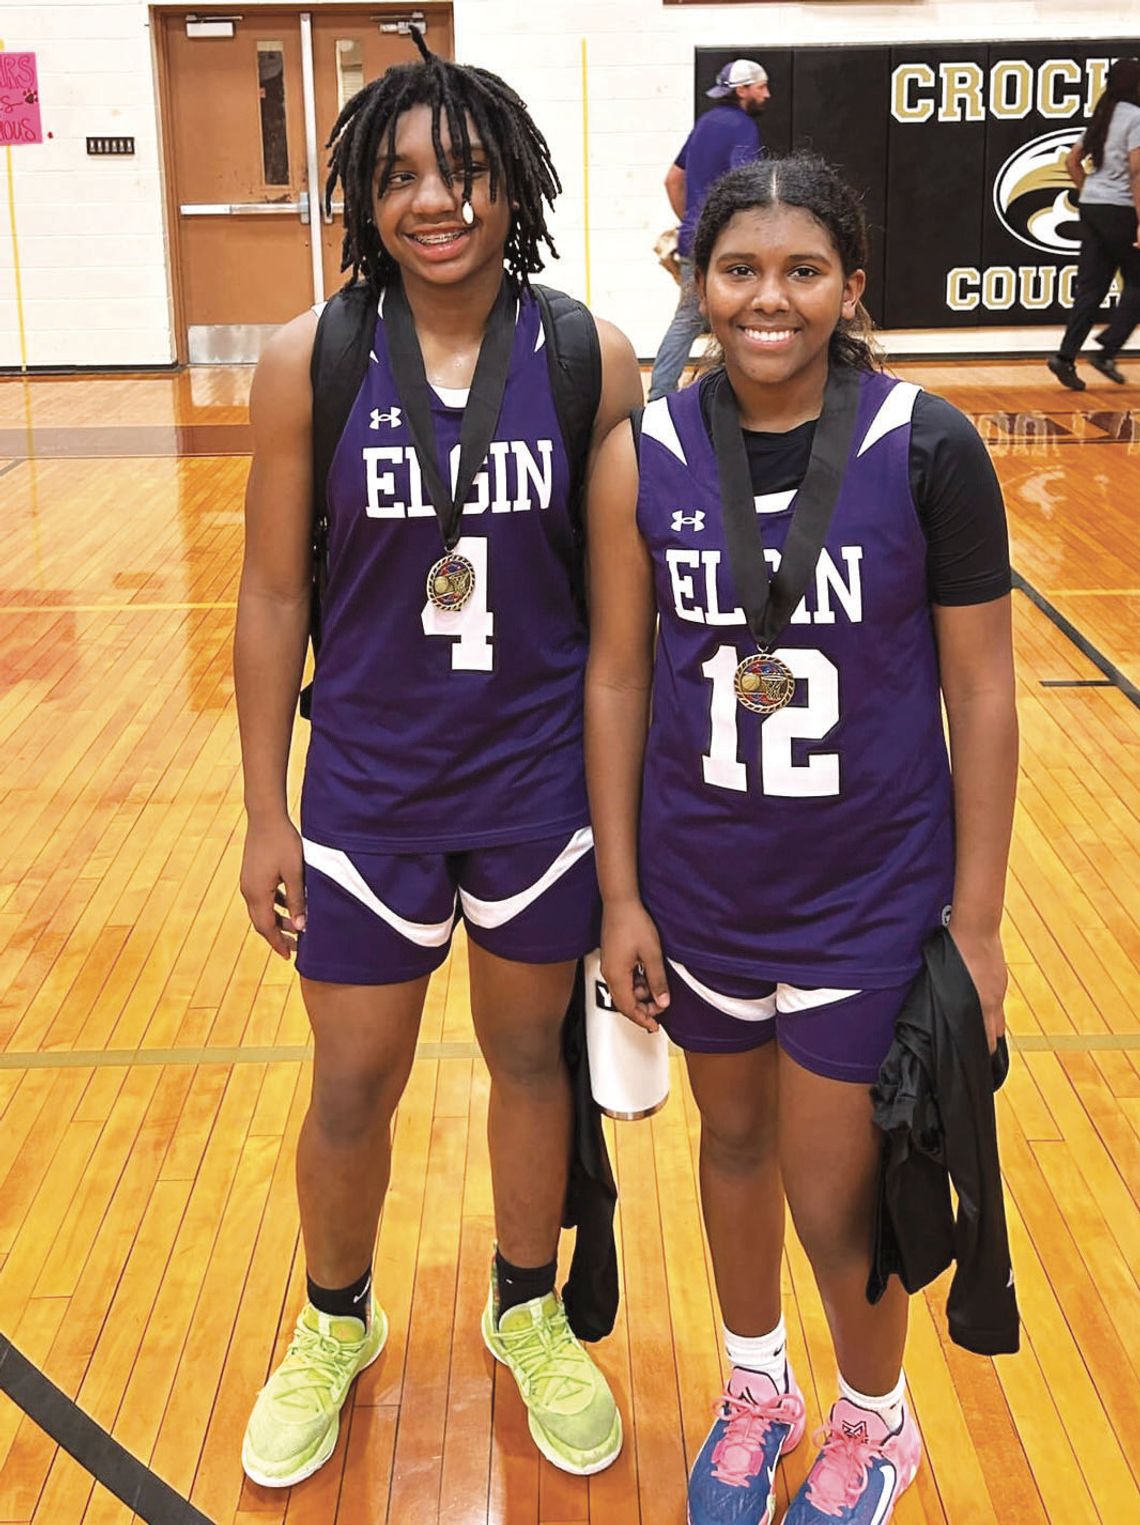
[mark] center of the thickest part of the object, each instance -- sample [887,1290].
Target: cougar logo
[696,519]
[392,419]
[1033,196]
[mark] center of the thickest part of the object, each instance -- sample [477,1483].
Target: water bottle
[629,1067]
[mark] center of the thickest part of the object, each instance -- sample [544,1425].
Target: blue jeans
[687,324]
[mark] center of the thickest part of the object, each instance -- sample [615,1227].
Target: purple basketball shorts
[381,918]
[841,1034]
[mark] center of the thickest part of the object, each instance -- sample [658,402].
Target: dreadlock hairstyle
[1123,84]
[518,156]
[799,180]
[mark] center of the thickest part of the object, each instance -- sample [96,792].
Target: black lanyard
[481,414]
[769,603]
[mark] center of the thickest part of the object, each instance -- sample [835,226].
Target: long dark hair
[799,180]
[1123,84]
[518,155]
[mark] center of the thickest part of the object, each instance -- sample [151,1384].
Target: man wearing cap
[722,138]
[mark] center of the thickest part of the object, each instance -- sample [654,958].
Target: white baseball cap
[742,71]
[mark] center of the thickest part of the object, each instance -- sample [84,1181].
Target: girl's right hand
[272,883]
[633,965]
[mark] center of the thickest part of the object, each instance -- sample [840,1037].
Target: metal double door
[249,103]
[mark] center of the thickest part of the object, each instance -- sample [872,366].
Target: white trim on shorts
[496,913]
[790,998]
[785,999]
[743,1008]
[339,867]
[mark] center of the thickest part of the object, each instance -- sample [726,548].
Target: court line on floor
[11,466]
[109,608]
[96,1451]
[1118,678]
[281,1053]
[300,1053]
[1096,592]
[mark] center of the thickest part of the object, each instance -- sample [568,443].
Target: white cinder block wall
[92,243]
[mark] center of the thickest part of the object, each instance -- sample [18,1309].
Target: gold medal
[764,684]
[451,582]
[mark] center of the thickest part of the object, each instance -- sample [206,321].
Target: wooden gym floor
[153,1067]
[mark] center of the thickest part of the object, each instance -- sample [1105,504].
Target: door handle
[247,208]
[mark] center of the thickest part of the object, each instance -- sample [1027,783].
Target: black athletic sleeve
[960,506]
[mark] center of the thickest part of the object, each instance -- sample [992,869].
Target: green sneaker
[293,1428]
[574,1420]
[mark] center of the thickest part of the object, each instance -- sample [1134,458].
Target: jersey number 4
[819,775]
[472,626]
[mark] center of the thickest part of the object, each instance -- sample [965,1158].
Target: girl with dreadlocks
[444,774]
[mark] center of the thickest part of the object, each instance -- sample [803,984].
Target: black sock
[354,1301]
[521,1284]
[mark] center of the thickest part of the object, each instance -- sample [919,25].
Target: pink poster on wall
[19,99]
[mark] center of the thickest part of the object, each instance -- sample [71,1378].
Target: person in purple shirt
[721,139]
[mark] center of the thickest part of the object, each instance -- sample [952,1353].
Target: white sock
[766,1353]
[889,1407]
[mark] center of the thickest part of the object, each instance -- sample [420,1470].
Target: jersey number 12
[819,775]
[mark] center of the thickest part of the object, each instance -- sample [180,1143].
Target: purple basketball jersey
[445,730]
[814,846]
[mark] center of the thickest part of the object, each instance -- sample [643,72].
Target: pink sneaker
[860,1471]
[731,1480]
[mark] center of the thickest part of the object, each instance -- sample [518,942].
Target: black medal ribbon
[480,416]
[769,603]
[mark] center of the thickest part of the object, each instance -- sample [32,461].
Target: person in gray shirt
[1110,226]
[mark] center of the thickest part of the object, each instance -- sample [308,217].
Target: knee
[348,1105]
[739,1140]
[529,1055]
[835,1239]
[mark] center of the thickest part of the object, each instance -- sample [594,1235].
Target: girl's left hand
[983,957]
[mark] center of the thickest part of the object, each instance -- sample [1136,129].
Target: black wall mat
[831,89]
[936,192]
[958,150]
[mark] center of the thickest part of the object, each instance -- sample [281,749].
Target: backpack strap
[341,348]
[636,421]
[574,356]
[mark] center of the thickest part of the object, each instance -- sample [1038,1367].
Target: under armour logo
[856,1431]
[392,418]
[602,996]
[697,520]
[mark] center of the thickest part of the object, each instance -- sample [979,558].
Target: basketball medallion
[764,684]
[451,582]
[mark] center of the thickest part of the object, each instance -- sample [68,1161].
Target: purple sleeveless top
[440,731]
[815,846]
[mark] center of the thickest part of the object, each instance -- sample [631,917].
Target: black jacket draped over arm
[934,1101]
